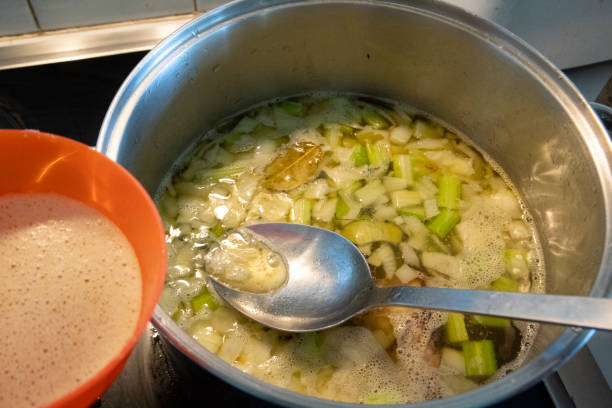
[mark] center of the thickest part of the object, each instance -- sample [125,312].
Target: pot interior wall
[447,69]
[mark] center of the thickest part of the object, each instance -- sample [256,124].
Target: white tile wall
[15,17]
[55,14]
[205,5]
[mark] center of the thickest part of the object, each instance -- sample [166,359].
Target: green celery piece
[261,131]
[218,230]
[515,261]
[301,211]
[363,231]
[293,108]
[349,141]
[346,130]
[427,130]
[204,299]
[360,156]
[310,345]
[402,168]
[377,154]
[480,361]
[415,211]
[230,139]
[342,208]
[384,397]
[491,321]
[449,191]
[374,119]
[354,186]
[391,232]
[222,172]
[455,329]
[418,162]
[405,198]
[333,135]
[444,222]
[505,284]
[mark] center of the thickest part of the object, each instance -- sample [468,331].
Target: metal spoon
[329,282]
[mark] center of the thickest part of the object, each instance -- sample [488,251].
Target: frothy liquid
[69,299]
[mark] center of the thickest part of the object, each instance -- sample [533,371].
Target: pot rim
[594,136]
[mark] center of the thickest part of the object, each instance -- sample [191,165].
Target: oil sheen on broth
[421,203]
[70,296]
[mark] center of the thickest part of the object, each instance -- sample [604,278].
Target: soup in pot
[423,205]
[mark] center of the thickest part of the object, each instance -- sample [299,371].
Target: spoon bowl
[322,264]
[330,281]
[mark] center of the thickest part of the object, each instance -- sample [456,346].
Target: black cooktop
[70,99]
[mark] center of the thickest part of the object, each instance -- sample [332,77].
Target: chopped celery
[300,213]
[420,164]
[405,198]
[384,397]
[370,192]
[505,284]
[455,329]
[204,299]
[354,186]
[400,135]
[402,168]
[220,173]
[342,208]
[370,135]
[516,264]
[333,135]
[360,156]
[491,321]
[231,138]
[453,360]
[324,210]
[415,211]
[480,361]
[374,119]
[349,141]
[362,232]
[394,183]
[245,125]
[378,156]
[444,222]
[218,230]
[425,130]
[449,191]
[309,345]
[346,207]
[293,108]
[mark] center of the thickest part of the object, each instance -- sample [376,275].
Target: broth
[423,205]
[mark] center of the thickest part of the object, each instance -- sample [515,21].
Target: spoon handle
[576,311]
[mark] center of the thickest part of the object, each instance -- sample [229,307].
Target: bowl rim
[534,62]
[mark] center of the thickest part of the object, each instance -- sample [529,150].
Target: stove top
[70,99]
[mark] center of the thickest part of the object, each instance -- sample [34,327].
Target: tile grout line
[34,15]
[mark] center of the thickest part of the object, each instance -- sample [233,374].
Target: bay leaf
[293,167]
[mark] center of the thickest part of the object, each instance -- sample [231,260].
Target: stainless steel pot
[472,74]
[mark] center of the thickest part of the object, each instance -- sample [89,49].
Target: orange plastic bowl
[35,162]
